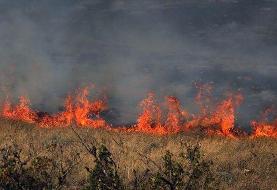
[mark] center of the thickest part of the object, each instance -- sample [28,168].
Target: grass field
[237,164]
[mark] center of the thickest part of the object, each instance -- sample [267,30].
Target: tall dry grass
[238,164]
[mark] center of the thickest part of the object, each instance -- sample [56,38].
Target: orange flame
[22,111]
[61,119]
[264,128]
[84,110]
[80,111]
[155,118]
[219,120]
[149,121]
[176,116]
[224,115]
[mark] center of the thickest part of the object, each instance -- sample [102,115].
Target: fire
[175,114]
[219,119]
[79,110]
[149,120]
[224,115]
[85,109]
[156,118]
[161,120]
[22,111]
[264,128]
[61,119]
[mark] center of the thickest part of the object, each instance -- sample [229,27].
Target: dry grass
[238,164]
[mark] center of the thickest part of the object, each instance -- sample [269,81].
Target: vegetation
[171,175]
[36,158]
[104,175]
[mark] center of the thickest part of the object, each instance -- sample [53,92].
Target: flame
[220,120]
[61,119]
[79,110]
[215,120]
[85,109]
[224,115]
[156,118]
[264,128]
[176,116]
[22,111]
[149,121]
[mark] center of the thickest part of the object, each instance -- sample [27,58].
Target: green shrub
[23,171]
[104,176]
[171,176]
[19,170]
[200,174]
[191,172]
[19,173]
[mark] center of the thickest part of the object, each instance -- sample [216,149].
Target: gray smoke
[128,48]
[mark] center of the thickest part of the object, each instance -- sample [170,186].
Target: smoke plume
[128,48]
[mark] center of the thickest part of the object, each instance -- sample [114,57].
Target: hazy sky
[131,47]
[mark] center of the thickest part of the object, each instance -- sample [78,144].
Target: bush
[176,175]
[24,171]
[200,174]
[27,171]
[172,174]
[17,173]
[104,176]
[191,172]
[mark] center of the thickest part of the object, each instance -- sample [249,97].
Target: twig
[82,141]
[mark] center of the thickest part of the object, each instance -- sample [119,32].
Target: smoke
[128,48]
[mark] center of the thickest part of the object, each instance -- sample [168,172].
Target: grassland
[238,164]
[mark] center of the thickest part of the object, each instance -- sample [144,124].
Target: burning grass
[155,118]
[243,163]
[62,140]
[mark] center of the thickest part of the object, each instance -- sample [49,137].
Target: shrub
[200,174]
[23,171]
[104,176]
[17,173]
[190,173]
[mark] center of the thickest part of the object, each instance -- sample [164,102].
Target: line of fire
[168,117]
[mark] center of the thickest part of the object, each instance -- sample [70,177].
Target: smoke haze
[128,48]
